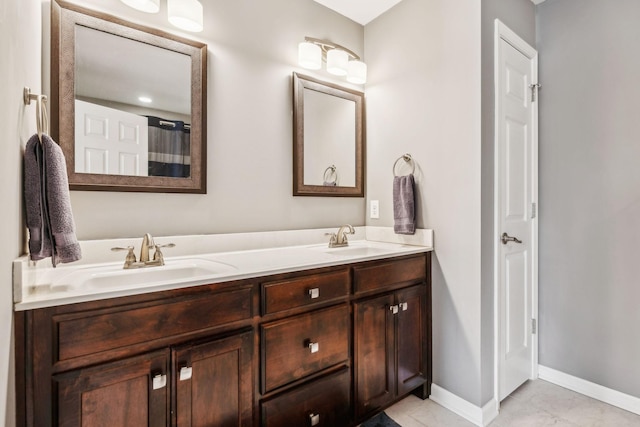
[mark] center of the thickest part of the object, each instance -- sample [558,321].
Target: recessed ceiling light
[145,99]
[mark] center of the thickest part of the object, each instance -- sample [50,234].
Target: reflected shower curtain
[169,148]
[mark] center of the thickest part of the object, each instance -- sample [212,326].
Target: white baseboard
[475,414]
[595,391]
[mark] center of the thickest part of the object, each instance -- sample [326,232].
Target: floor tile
[536,404]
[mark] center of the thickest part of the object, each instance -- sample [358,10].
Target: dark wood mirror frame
[300,83]
[64,17]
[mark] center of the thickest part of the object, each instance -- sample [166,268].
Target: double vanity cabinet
[330,346]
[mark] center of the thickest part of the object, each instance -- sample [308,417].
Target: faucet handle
[130,258]
[333,239]
[158,256]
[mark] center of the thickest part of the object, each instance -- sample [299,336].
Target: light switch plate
[375,209]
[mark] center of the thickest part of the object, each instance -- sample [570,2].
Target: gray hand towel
[404,211]
[48,204]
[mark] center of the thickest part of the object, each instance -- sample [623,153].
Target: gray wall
[19,67]
[252,54]
[519,16]
[423,97]
[590,190]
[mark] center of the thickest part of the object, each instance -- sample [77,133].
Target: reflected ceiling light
[145,99]
[186,14]
[149,6]
[340,60]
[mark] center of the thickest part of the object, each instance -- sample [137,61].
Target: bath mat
[380,420]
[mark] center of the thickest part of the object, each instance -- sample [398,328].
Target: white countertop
[207,258]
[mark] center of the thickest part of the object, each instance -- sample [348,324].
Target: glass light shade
[337,62]
[149,6]
[357,72]
[186,14]
[309,56]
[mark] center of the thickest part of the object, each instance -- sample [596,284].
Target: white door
[110,141]
[516,197]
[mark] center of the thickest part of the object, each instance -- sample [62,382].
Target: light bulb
[337,61]
[309,56]
[149,6]
[186,14]
[357,72]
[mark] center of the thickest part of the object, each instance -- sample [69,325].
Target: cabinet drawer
[301,291]
[324,402]
[377,277]
[80,334]
[298,346]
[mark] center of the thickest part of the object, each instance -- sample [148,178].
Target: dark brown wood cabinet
[392,332]
[214,383]
[129,392]
[211,383]
[323,347]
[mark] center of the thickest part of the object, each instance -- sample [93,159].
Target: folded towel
[404,212]
[48,204]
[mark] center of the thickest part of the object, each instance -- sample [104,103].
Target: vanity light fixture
[340,60]
[186,14]
[149,6]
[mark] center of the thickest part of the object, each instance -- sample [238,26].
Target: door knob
[506,238]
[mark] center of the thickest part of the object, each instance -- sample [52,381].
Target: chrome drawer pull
[185,373]
[159,381]
[314,293]
[314,419]
[393,309]
[314,347]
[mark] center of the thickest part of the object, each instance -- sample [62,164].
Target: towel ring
[332,173]
[408,159]
[42,120]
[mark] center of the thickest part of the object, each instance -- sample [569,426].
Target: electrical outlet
[375,209]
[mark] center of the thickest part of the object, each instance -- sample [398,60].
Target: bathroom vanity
[324,346]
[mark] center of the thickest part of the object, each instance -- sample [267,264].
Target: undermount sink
[355,249]
[114,276]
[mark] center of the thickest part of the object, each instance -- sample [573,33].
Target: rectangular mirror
[128,104]
[329,139]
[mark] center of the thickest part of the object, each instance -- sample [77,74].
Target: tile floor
[536,404]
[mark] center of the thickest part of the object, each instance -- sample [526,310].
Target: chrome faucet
[147,244]
[339,239]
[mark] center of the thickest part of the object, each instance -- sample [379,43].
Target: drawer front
[377,277]
[324,402]
[302,291]
[302,345]
[81,334]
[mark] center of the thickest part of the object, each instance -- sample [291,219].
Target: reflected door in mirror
[128,103]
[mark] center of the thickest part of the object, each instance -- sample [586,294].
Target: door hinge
[534,90]
[534,326]
[534,210]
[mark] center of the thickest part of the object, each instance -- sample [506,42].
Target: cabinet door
[411,338]
[374,354]
[118,394]
[214,382]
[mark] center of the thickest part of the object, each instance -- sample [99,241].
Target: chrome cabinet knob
[314,347]
[314,293]
[185,373]
[159,381]
[314,419]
